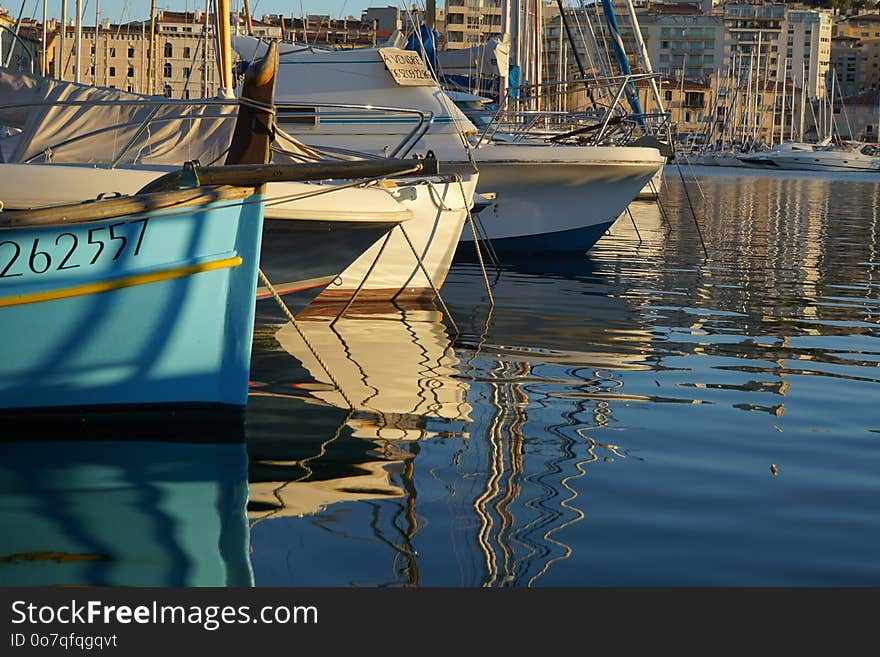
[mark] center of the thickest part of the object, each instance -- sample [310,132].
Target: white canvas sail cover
[98,130]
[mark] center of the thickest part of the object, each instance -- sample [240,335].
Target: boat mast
[803,98]
[225,43]
[782,109]
[831,107]
[77,70]
[759,88]
[773,107]
[747,118]
[623,62]
[95,49]
[44,64]
[59,59]
[538,53]
[505,33]
[151,51]
[791,127]
[248,21]
[642,51]
[205,50]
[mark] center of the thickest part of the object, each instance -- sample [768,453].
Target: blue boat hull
[578,240]
[154,309]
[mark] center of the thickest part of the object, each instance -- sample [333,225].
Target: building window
[667,96]
[168,71]
[112,71]
[113,52]
[168,91]
[131,71]
[186,54]
[131,51]
[169,51]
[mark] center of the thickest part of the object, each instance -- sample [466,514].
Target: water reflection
[393,364]
[618,407]
[546,400]
[612,420]
[789,280]
[491,434]
[109,511]
[306,465]
[397,382]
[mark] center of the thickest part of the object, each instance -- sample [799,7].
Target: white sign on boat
[406,67]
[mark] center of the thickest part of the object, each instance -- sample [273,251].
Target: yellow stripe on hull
[119,283]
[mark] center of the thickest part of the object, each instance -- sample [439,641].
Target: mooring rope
[286,310]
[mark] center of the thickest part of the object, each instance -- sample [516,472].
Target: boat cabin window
[299,116]
[871,149]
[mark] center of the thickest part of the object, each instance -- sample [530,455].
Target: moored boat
[70,155]
[548,197]
[796,156]
[139,300]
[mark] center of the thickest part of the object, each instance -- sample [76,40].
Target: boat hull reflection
[124,513]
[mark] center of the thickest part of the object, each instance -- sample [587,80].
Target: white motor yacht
[800,156]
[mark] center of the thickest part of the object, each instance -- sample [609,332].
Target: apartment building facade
[118,56]
[689,45]
[807,54]
[471,22]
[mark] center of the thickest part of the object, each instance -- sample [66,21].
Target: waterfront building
[323,30]
[471,22]
[808,45]
[847,64]
[858,116]
[682,41]
[118,56]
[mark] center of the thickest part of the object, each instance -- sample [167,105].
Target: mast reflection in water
[640,416]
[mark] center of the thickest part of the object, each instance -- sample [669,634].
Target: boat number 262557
[71,250]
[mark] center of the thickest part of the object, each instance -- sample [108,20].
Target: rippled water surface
[644,415]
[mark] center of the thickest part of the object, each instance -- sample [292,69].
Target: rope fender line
[428,278]
[470,219]
[286,310]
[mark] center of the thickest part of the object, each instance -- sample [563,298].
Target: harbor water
[648,414]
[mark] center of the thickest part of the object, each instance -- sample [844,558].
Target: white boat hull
[829,161]
[651,190]
[563,204]
[395,267]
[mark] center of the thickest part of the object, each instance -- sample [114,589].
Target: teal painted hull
[177,328]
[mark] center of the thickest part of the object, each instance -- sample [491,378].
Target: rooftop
[866,98]
[681,9]
[870,18]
